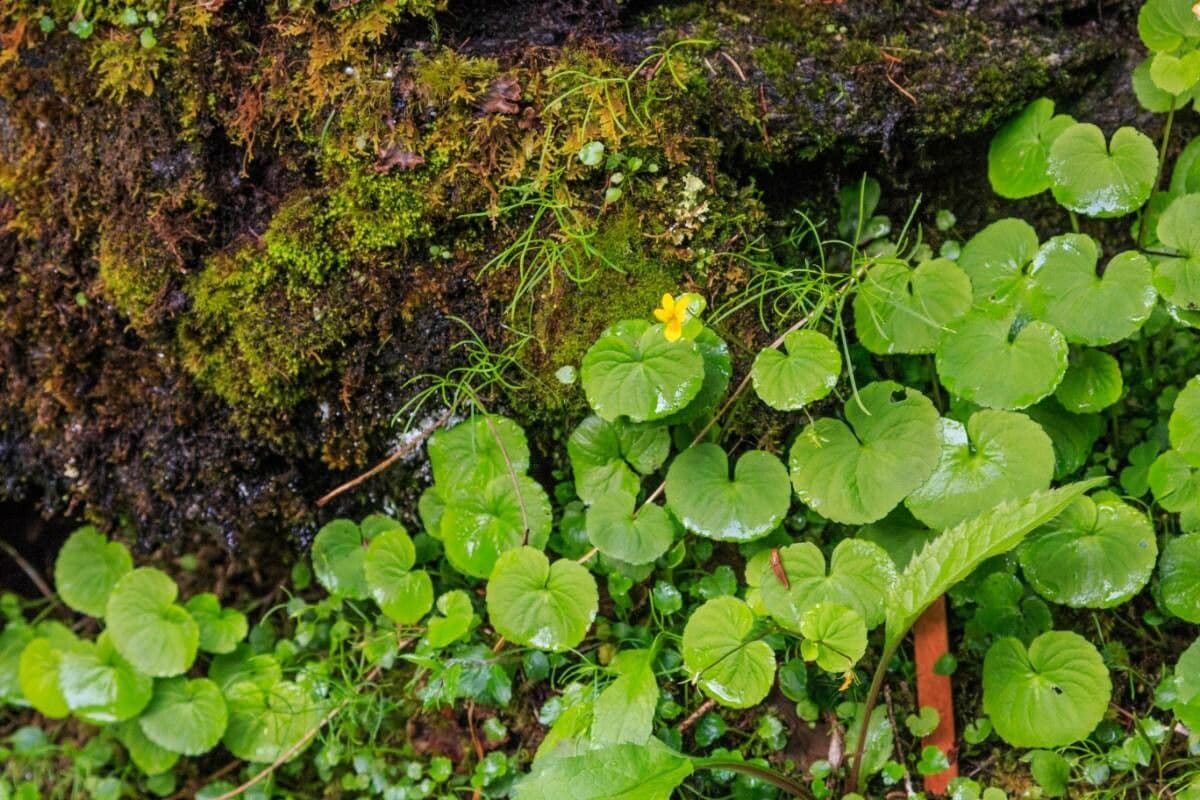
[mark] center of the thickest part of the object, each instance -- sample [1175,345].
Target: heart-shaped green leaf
[1098,553]
[1184,424]
[243,665]
[902,310]
[718,369]
[87,568]
[994,361]
[997,259]
[996,456]
[1185,178]
[152,632]
[185,716]
[99,685]
[265,723]
[721,656]
[1175,74]
[650,771]
[633,371]
[220,628]
[38,667]
[1097,179]
[860,575]
[477,528]
[404,595]
[1050,695]
[337,558]
[857,473]
[834,636]
[614,529]
[1072,434]
[808,371]
[1166,24]
[1068,290]
[456,620]
[738,509]
[145,754]
[1151,97]
[1092,382]
[538,604]
[1178,279]
[1018,152]
[1179,577]
[609,456]
[430,506]
[470,455]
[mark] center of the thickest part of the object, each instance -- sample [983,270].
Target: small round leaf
[1092,382]
[1098,553]
[145,754]
[1099,179]
[808,371]
[902,310]
[1184,425]
[835,636]
[1050,695]
[220,628]
[857,473]
[996,260]
[1073,435]
[477,528]
[1019,150]
[633,371]
[1179,576]
[739,509]
[609,456]
[337,557]
[1175,483]
[87,568]
[99,685]
[614,529]
[538,604]
[719,654]
[185,716]
[403,595]
[1178,279]
[152,632]
[996,456]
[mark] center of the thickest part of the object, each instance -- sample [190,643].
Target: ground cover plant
[733,546]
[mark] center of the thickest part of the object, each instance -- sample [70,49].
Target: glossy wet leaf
[611,456]
[1073,435]
[1166,24]
[721,655]
[618,533]
[708,501]
[900,534]
[1092,383]
[1175,483]
[807,370]
[1099,179]
[994,361]
[99,685]
[456,620]
[478,528]
[87,568]
[1175,74]
[856,473]
[401,593]
[538,604]
[624,711]
[860,575]
[154,633]
[185,716]
[1018,152]
[633,371]
[145,754]
[1051,695]
[337,558]
[1179,577]
[835,636]
[1098,553]
[620,772]
[220,628]
[1069,291]
[956,553]
[1184,424]
[38,669]
[718,369]
[1178,279]
[266,722]
[1185,177]
[902,310]
[997,259]
[1150,96]
[996,456]
[14,639]
[470,455]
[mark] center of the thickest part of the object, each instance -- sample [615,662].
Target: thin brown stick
[400,453]
[695,716]
[28,569]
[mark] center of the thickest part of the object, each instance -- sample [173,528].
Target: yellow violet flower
[673,313]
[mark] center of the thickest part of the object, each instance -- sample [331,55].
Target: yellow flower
[673,314]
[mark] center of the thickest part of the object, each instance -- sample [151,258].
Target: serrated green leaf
[1178,279]
[719,655]
[633,371]
[624,711]
[621,772]
[145,754]
[468,456]
[1099,179]
[807,372]
[741,508]
[403,595]
[997,260]
[1166,24]
[1175,483]
[185,716]
[337,558]
[478,528]
[836,633]
[611,456]
[265,723]
[902,310]
[718,369]
[458,617]
[538,604]
[1175,74]
[613,528]
[1092,382]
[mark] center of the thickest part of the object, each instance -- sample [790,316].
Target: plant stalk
[776,779]
[857,780]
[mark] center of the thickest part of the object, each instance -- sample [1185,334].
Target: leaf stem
[857,779]
[1162,157]
[776,779]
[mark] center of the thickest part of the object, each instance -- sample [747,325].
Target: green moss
[135,271]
